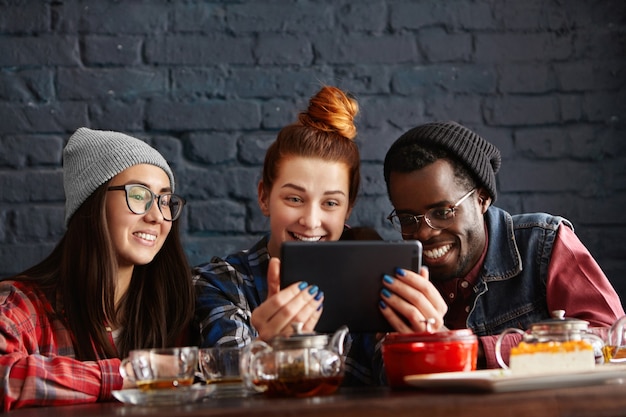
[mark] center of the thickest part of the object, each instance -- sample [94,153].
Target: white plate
[164,396]
[500,380]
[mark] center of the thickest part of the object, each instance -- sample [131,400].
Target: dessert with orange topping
[549,357]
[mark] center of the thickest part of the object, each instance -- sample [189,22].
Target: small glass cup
[220,366]
[163,368]
[613,350]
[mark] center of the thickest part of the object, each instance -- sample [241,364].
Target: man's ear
[484,199]
[263,199]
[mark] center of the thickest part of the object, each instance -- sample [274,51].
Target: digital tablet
[350,273]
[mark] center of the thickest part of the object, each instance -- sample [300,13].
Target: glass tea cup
[162,368]
[614,338]
[221,366]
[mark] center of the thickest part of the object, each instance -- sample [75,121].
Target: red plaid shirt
[37,362]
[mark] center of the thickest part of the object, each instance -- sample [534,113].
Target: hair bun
[331,110]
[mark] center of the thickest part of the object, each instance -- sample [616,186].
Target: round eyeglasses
[139,199]
[437,218]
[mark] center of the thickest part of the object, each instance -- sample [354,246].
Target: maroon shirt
[575,284]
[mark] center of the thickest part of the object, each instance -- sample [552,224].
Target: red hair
[325,130]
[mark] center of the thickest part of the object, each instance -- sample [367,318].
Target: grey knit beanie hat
[93,157]
[479,156]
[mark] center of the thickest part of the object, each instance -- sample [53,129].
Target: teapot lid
[559,323]
[299,340]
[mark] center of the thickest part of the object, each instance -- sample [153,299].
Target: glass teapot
[557,329]
[300,365]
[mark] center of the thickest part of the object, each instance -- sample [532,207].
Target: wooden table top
[592,401]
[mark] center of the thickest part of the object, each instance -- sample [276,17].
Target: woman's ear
[263,199]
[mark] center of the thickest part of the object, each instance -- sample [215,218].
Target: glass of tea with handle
[163,368]
[615,348]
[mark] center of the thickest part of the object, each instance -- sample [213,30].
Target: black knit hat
[479,156]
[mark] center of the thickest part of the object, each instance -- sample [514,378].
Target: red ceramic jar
[427,353]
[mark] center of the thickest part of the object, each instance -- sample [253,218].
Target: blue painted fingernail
[313,289]
[386,293]
[319,295]
[303,285]
[382,304]
[320,307]
[400,271]
[387,279]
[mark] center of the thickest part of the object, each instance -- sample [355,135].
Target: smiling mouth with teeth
[146,236]
[438,252]
[305,238]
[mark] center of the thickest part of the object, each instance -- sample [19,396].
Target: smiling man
[495,270]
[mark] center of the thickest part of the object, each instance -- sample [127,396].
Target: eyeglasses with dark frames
[140,198]
[437,218]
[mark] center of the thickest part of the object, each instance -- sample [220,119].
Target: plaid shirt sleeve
[364,362]
[227,290]
[37,365]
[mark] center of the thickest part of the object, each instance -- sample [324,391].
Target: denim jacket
[511,288]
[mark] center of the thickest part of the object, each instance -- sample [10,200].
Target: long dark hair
[79,277]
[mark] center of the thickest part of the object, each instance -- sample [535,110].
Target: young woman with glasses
[118,280]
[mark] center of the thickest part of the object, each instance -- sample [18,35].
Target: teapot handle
[125,365]
[616,333]
[248,364]
[598,344]
[499,345]
[336,342]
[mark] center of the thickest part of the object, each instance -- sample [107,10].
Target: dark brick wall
[209,83]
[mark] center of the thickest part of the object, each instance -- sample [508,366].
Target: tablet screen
[350,273]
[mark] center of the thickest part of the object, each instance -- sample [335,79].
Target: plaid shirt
[229,289]
[37,362]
